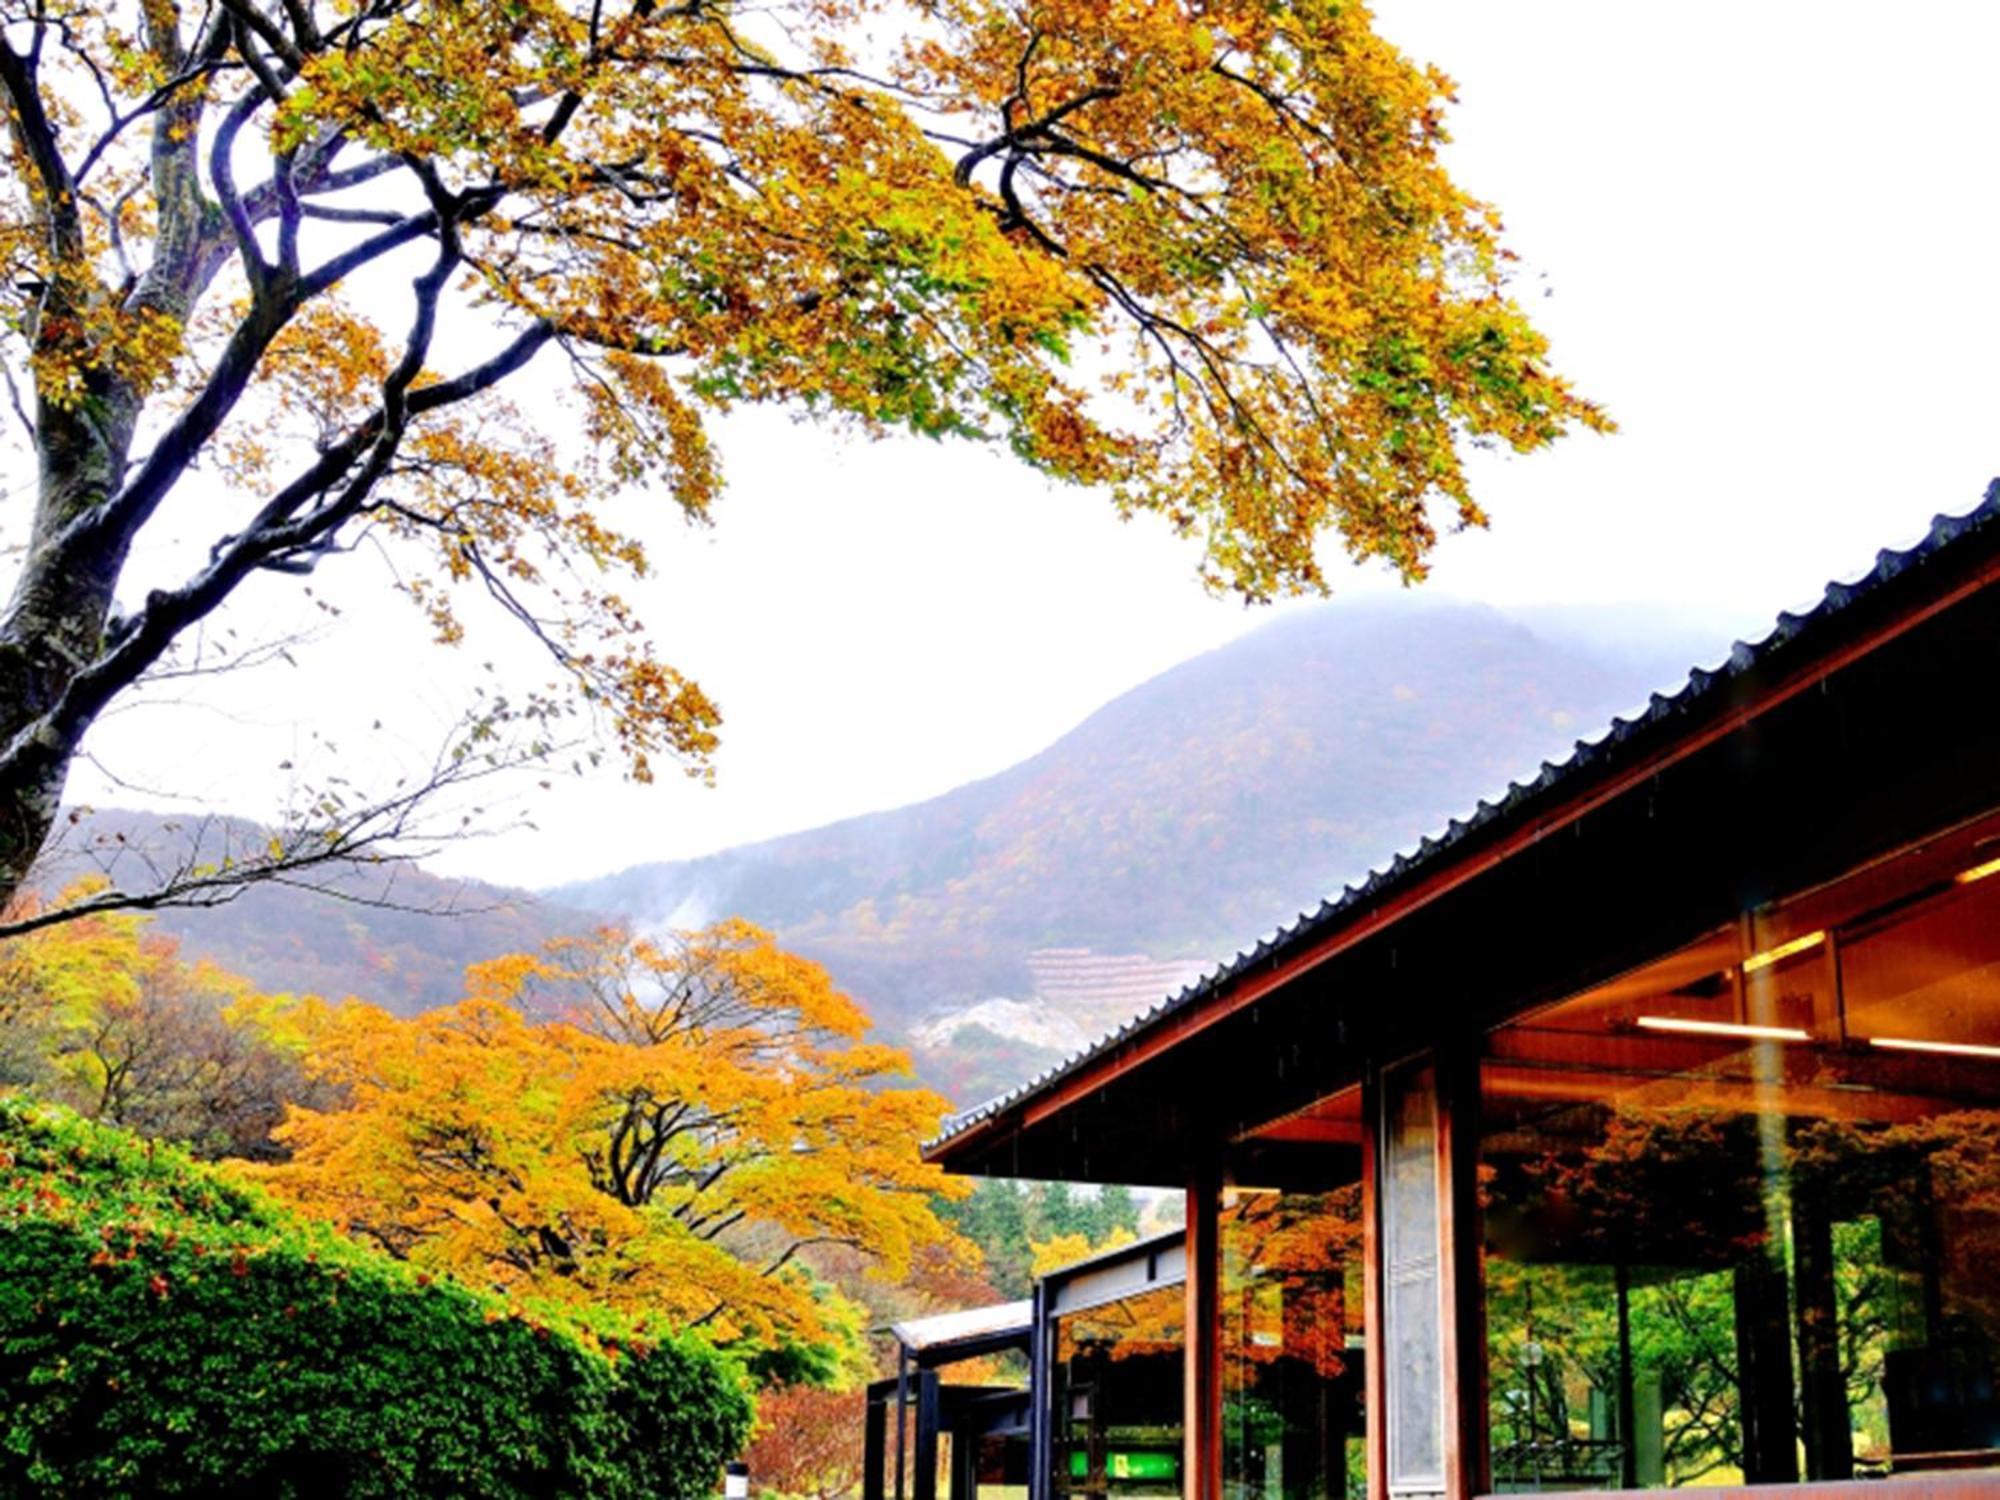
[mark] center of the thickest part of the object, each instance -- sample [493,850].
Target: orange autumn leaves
[1289,1262]
[700,1115]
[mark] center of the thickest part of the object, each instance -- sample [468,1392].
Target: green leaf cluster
[1006,1220]
[165,1329]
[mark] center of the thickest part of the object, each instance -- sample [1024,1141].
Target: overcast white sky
[1768,230]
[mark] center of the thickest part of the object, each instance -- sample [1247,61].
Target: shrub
[808,1443]
[167,1330]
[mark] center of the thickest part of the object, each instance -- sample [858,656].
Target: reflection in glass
[1117,1392]
[1292,1381]
[1759,1242]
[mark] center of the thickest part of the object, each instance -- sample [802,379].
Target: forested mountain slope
[398,935]
[1174,825]
[1178,821]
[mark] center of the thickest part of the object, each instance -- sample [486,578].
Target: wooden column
[1201,1408]
[1461,1284]
[1426,1330]
[1041,1387]
[964,1464]
[902,1416]
[1375,1400]
[875,1445]
[924,1482]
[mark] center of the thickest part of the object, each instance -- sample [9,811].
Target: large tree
[704,1122]
[276,261]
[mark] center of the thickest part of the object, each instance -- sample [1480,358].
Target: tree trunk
[62,601]
[55,622]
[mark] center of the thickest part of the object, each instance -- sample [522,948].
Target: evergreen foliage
[1008,1219]
[166,1330]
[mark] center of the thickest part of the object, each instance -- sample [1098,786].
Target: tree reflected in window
[1742,1211]
[1292,1360]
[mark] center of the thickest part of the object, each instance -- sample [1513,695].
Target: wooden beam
[1201,1412]
[1461,1285]
[1375,1403]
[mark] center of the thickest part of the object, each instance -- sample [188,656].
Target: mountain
[398,936]
[1180,820]
[998,926]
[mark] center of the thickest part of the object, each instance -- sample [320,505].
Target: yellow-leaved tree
[104,1014]
[1063,1250]
[702,1113]
[1199,254]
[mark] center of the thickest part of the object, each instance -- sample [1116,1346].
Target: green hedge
[164,1330]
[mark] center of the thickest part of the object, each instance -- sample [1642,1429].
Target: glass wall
[1116,1393]
[1742,1208]
[1292,1347]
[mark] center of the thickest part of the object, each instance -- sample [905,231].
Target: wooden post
[924,1484]
[1461,1286]
[1201,1413]
[964,1460]
[902,1414]
[875,1444]
[1374,1400]
[1041,1387]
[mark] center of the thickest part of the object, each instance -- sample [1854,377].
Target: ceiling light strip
[1723,1028]
[1952,1049]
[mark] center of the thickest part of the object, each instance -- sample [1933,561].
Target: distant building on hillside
[1082,983]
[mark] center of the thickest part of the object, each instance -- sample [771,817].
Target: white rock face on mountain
[1033,1022]
[1079,994]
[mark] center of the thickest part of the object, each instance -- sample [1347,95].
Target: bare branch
[377,839]
[14,399]
[278,529]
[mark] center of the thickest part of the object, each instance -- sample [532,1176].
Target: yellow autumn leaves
[665,1127]
[1203,257]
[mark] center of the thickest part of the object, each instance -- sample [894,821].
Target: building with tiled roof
[1639,1129]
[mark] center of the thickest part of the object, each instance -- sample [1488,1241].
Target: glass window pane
[1116,1393]
[1292,1344]
[1742,1210]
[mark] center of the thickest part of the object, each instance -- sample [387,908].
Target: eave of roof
[1792,635]
[972,1325]
[1111,1255]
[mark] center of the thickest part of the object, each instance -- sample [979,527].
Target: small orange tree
[672,1144]
[808,1443]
